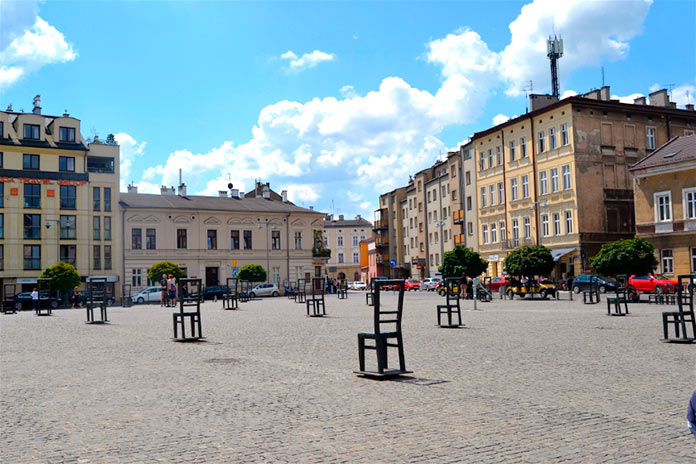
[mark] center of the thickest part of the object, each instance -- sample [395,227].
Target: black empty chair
[317,299]
[591,294]
[44,304]
[97,298]
[230,299]
[301,293]
[386,334]
[451,306]
[9,305]
[619,297]
[342,289]
[683,319]
[243,295]
[190,294]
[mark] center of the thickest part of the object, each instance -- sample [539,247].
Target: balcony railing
[511,244]
[458,216]
[380,225]
[459,239]
[382,241]
[381,259]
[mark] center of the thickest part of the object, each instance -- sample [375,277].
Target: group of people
[168,287]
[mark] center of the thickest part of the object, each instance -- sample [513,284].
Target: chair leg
[402,360]
[361,353]
[382,361]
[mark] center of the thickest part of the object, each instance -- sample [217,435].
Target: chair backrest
[450,284]
[621,285]
[44,287]
[317,286]
[384,318]
[96,287]
[232,283]
[302,285]
[10,290]
[190,292]
[685,292]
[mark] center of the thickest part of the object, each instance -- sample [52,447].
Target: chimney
[266,192]
[312,208]
[66,114]
[592,94]
[182,190]
[604,93]
[340,217]
[357,217]
[222,193]
[37,105]
[639,101]
[284,195]
[660,98]
[235,193]
[132,188]
[164,190]
[689,107]
[539,101]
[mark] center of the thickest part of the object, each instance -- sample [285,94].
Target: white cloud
[627,98]
[499,119]
[348,91]
[655,87]
[129,149]
[26,46]
[568,93]
[307,60]
[303,193]
[684,95]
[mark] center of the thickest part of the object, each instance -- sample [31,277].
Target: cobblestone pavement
[525,381]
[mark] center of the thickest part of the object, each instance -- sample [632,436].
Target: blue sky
[336,102]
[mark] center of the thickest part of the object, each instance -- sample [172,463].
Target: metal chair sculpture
[291,290]
[126,301]
[9,305]
[451,306]
[230,299]
[317,299]
[43,307]
[301,294]
[96,288]
[591,295]
[244,286]
[370,295]
[342,289]
[387,334]
[619,297]
[190,294]
[684,317]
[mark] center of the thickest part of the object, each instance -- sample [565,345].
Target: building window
[100,164]
[429,197]
[2,195]
[68,196]
[564,134]
[66,163]
[515,229]
[566,177]
[96,228]
[527,228]
[107,256]
[212,239]
[2,225]
[356,241]
[435,195]
[502,231]
[31,131]
[454,172]
[68,254]
[247,240]
[512,150]
[569,222]
[454,195]
[32,257]
[340,258]
[490,158]
[552,138]
[470,228]
[494,233]
[554,180]
[2,257]
[276,274]
[525,186]
[96,199]
[468,203]
[151,239]
[693,259]
[663,206]
[32,226]
[544,188]
[356,258]
[667,262]
[689,203]
[68,228]
[484,234]
[298,240]
[482,160]
[107,198]
[275,240]
[499,155]
[181,239]
[107,227]
[556,224]
[31,162]
[420,207]
[339,240]
[545,225]
[650,138]
[501,193]
[136,277]
[67,134]
[32,196]
[468,177]
[491,194]
[523,147]
[542,142]
[234,239]
[136,239]
[513,189]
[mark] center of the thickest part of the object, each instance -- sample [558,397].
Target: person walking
[172,290]
[462,285]
[691,414]
[163,287]
[75,298]
[35,299]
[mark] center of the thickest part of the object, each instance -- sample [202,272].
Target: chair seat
[381,334]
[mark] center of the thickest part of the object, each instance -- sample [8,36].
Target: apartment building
[558,176]
[467,217]
[212,237]
[389,237]
[58,199]
[439,225]
[343,236]
[665,203]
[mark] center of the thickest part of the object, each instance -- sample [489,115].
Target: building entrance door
[211,276]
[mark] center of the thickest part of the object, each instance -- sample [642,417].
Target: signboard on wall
[493,258]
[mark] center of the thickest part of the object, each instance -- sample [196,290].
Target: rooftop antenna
[602,76]
[554,49]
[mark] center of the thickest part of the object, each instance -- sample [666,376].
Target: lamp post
[274,225]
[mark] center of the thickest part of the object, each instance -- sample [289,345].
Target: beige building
[343,236]
[665,204]
[212,237]
[59,197]
[558,176]
[389,239]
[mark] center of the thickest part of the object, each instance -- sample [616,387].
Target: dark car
[23,301]
[214,291]
[583,282]
[84,297]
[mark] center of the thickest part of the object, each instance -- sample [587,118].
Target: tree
[63,277]
[462,260]
[252,273]
[529,262]
[630,256]
[164,267]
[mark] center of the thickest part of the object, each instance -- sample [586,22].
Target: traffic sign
[234,272]
[392,262]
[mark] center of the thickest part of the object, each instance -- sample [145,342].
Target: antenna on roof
[554,48]
[602,76]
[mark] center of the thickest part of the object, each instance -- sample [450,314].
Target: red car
[412,284]
[497,282]
[653,283]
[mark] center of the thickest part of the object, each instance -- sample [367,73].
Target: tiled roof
[676,150]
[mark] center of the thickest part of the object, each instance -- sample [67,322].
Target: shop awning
[559,253]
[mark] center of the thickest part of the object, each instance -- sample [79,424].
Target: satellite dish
[229,186]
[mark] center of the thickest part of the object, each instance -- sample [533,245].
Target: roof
[194,202]
[348,223]
[676,150]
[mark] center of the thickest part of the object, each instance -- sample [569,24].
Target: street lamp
[274,225]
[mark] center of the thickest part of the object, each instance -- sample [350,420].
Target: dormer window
[31,131]
[67,134]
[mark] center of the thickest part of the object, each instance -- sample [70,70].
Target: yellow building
[59,199]
[665,203]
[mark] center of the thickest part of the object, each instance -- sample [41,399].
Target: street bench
[190,293]
[451,306]
[682,320]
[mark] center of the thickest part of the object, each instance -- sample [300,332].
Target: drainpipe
[505,203]
[123,248]
[287,252]
[532,153]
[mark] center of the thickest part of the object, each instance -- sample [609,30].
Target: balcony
[382,241]
[459,239]
[458,216]
[511,244]
[321,252]
[381,219]
[382,259]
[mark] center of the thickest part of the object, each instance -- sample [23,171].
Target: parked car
[583,282]
[653,283]
[544,289]
[264,290]
[357,285]
[84,297]
[147,295]
[430,283]
[23,301]
[497,282]
[412,284]
[214,291]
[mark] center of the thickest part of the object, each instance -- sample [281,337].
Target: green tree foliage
[462,260]
[630,256]
[529,261]
[63,277]
[164,267]
[252,273]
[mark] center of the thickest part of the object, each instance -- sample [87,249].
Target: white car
[430,283]
[264,290]
[357,285]
[148,295]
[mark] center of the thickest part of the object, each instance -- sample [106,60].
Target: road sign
[234,272]
[234,263]
[392,262]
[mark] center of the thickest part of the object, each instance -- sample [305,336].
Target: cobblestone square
[525,381]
